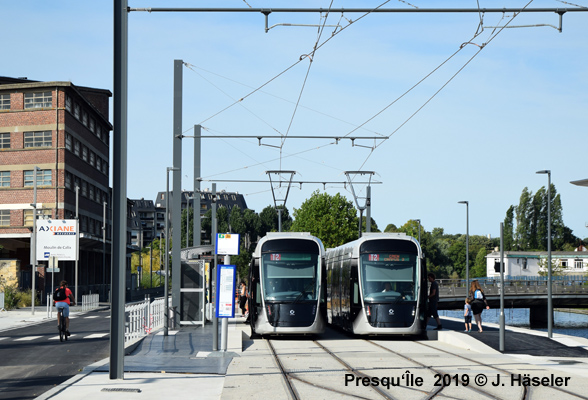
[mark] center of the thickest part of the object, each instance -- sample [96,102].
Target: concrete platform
[183,364]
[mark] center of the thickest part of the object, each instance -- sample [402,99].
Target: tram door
[192,292]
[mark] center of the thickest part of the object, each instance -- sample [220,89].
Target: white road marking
[28,338]
[91,316]
[95,335]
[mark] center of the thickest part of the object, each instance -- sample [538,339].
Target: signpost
[226,244]
[53,268]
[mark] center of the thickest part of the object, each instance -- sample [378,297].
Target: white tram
[376,285]
[287,285]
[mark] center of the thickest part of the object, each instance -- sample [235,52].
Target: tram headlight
[413,311]
[367,311]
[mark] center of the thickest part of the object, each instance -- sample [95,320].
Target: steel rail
[526,391]
[436,392]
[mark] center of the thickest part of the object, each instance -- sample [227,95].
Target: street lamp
[34,240]
[467,243]
[549,294]
[419,221]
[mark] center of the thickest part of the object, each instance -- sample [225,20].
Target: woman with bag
[478,302]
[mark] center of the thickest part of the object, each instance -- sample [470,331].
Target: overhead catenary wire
[450,79]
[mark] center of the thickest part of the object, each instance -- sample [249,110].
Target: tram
[376,285]
[287,285]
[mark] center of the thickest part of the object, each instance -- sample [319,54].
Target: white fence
[142,318]
[90,301]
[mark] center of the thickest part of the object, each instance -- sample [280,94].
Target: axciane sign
[57,238]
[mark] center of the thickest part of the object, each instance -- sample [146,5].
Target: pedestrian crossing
[44,337]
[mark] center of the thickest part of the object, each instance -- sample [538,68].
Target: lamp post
[419,221]
[150,263]
[34,240]
[549,279]
[467,243]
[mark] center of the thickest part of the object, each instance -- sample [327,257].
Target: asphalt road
[33,360]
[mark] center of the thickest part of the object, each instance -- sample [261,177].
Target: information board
[227,244]
[225,291]
[57,238]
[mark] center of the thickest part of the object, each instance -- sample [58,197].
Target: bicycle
[62,328]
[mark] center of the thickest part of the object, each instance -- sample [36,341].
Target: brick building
[63,130]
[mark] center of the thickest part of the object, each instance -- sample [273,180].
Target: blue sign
[225,291]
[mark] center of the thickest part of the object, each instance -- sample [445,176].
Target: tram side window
[355,293]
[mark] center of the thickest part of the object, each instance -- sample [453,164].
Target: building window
[77,111]
[4,140]
[98,163]
[84,188]
[524,263]
[92,158]
[104,167]
[92,125]
[4,217]
[41,214]
[77,148]
[578,264]
[5,178]
[99,132]
[37,100]
[68,180]
[68,102]
[43,178]
[68,142]
[85,153]
[38,139]
[91,192]
[4,101]
[564,263]
[85,118]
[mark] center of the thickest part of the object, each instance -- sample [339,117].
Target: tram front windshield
[388,277]
[290,276]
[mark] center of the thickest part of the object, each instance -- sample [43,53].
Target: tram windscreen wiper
[306,288]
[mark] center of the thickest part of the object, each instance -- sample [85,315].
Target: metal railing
[143,317]
[456,288]
[90,301]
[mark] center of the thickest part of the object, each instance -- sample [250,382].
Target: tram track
[528,389]
[294,377]
[290,377]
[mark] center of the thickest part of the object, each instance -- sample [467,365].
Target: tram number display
[388,257]
[275,257]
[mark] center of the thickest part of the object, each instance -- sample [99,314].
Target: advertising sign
[227,244]
[57,238]
[225,291]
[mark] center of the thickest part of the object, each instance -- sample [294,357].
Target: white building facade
[521,264]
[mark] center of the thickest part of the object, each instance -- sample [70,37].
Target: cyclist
[60,292]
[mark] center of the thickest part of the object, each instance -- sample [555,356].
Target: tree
[237,222]
[374,226]
[479,269]
[333,219]
[556,268]
[524,215]
[508,229]
[391,228]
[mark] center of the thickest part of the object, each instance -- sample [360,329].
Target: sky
[467,113]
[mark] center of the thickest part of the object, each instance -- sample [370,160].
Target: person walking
[433,300]
[242,297]
[478,301]
[467,314]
